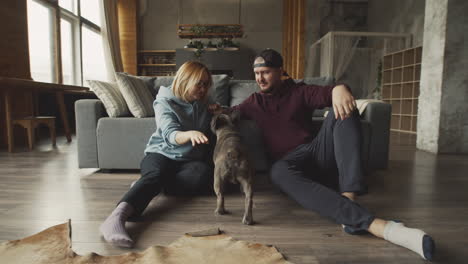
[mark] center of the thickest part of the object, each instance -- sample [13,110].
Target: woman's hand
[196,137]
[343,102]
[215,109]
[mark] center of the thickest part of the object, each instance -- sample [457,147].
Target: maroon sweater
[285,117]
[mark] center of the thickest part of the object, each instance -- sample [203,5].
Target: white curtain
[344,49]
[325,55]
[354,65]
[313,63]
[110,37]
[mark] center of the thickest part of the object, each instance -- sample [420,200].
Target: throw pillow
[148,80]
[109,94]
[136,95]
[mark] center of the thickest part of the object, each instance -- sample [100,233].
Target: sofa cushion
[322,81]
[132,135]
[241,89]
[165,81]
[219,92]
[111,97]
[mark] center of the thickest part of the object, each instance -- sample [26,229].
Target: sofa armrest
[88,112]
[378,115]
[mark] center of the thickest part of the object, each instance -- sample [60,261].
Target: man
[307,166]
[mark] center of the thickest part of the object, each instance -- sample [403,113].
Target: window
[79,47]
[94,67]
[90,11]
[41,41]
[69,62]
[70,5]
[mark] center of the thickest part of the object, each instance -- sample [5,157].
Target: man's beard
[269,90]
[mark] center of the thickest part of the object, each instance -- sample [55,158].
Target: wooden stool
[30,123]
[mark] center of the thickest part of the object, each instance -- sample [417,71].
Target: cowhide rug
[53,245]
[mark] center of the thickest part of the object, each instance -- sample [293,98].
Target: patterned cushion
[109,94]
[149,82]
[136,94]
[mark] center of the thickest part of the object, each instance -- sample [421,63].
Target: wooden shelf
[401,67]
[156,51]
[394,83]
[390,99]
[400,87]
[197,31]
[403,131]
[402,115]
[156,63]
[162,65]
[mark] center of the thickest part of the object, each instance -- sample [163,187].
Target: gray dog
[231,162]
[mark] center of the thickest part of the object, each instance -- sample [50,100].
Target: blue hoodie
[173,114]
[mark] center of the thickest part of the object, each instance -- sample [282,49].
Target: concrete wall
[262,21]
[442,111]
[454,119]
[398,16]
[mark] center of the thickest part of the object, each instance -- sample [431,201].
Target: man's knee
[278,172]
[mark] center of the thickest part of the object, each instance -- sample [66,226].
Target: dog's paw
[247,221]
[220,211]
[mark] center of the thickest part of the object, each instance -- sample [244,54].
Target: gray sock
[410,238]
[113,229]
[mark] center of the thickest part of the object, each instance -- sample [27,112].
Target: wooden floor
[45,187]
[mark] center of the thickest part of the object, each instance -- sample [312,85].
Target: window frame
[77,22]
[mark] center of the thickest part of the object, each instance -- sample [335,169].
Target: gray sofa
[118,143]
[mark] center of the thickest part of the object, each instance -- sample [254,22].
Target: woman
[176,151]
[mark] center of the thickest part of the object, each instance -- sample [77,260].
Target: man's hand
[196,137]
[343,102]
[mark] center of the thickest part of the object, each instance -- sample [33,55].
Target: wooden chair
[32,122]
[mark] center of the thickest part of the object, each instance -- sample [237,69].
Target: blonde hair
[188,76]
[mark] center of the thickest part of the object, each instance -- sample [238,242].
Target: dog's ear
[235,117]
[218,121]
